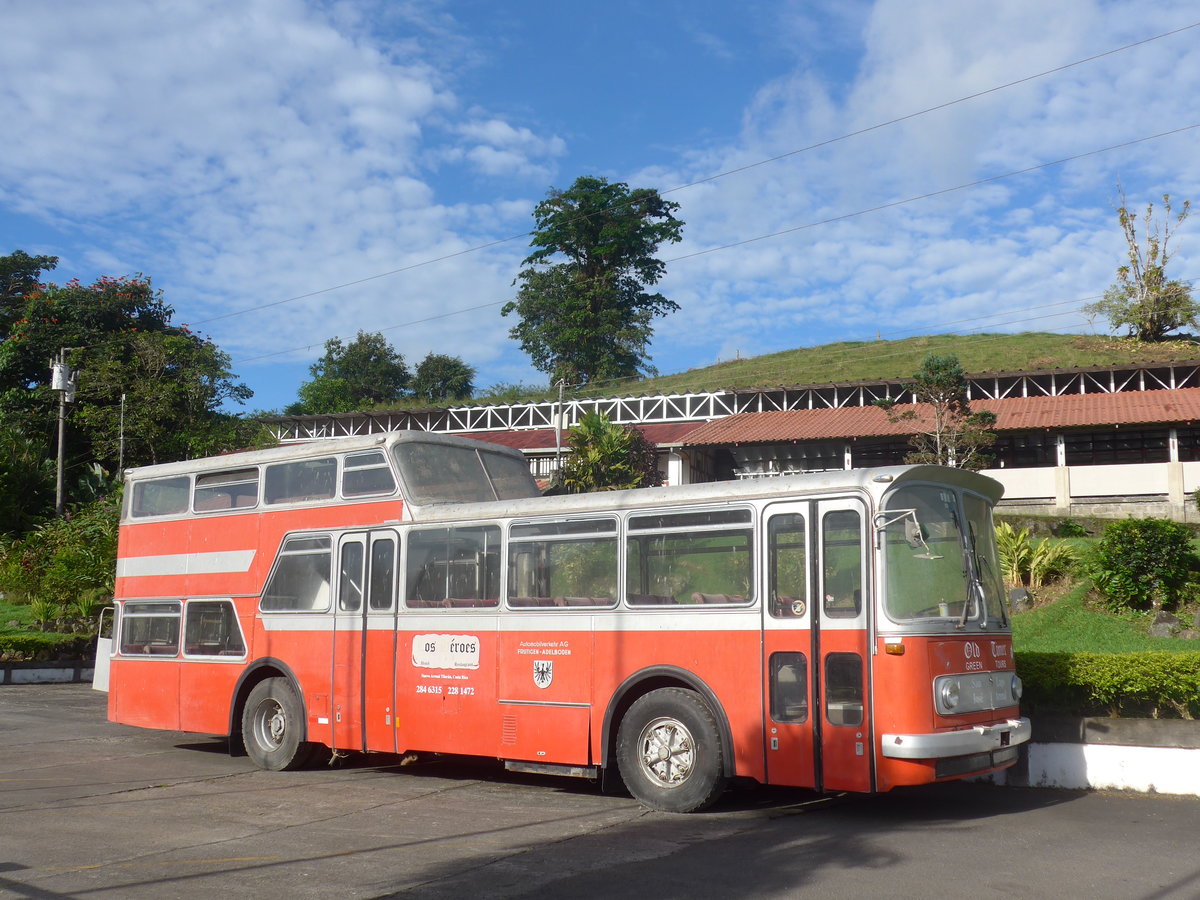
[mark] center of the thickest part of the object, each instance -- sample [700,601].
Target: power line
[709,178]
[797,228]
[938,193]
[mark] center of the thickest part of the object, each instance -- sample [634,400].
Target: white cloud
[986,251]
[247,152]
[244,153]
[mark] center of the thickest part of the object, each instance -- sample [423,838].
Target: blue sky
[245,152]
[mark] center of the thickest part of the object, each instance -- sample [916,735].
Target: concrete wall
[1143,489]
[1148,755]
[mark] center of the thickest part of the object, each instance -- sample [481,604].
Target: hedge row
[37,647]
[1149,684]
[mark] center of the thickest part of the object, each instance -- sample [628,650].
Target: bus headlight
[949,693]
[1017,688]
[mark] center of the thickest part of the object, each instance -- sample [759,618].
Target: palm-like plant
[605,456]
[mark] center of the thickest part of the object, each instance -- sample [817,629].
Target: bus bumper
[978,739]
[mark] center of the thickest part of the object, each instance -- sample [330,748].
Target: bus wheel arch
[255,673]
[273,726]
[670,752]
[643,683]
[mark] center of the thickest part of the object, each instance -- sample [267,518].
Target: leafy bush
[1114,683]
[1141,564]
[604,456]
[1016,550]
[1069,528]
[1051,560]
[64,560]
[44,611]
[1026,564]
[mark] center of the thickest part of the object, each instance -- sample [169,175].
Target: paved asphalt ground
[90,809]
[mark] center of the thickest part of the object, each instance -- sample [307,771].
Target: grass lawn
[15,612]
[1069,625]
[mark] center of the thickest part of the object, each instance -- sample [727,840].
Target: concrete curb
[74,672]
[1146,755]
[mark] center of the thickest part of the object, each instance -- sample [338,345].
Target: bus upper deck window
[367,473]
[160,497]
[297,482]
[235,489]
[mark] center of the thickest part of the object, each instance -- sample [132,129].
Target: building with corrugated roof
[1109,441]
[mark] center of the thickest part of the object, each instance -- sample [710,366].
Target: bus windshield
[940,564]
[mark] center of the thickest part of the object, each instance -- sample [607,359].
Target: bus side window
[843,689]
[690,558]
[568,564]
[454,567]
[160,497]
[236,489]
[304,480]
[210,628]
[350,577]
[842,547]
[150,629]
[300,579]
[789,687]
[367,473]
[788,566]
[382,587]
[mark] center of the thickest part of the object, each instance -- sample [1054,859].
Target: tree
[20,273]
[440,378]
[119,336]
[26,481]
[948,432]
[589,318]
[605,456]
[1143,300]
[348,377]
[174,386]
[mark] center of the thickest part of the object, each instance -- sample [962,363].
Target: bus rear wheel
[272,722]
[669,751]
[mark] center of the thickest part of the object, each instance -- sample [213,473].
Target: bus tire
[272,721]
[669,751]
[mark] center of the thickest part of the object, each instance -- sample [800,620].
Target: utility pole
[558,422]
[62,379]
[121,441]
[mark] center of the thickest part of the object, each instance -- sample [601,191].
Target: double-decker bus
[413,593]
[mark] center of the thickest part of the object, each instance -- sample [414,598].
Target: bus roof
[319,447]
[873,481]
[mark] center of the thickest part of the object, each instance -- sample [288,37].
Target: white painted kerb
[1162,770]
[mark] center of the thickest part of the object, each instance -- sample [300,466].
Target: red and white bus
[841,631]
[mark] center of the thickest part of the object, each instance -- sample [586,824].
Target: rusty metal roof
[1172,407]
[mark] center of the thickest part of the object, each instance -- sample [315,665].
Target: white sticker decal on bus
[445,651]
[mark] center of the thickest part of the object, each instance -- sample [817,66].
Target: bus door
[364,642]
[844,727]
[789,647]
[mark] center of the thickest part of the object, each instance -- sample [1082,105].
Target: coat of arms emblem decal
[543,672]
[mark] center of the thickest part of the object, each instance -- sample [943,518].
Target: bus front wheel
[669,751]
[272,722]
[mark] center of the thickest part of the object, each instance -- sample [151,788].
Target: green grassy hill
[872,360]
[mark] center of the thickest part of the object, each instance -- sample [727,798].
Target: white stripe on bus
[215,563]
[491,621]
